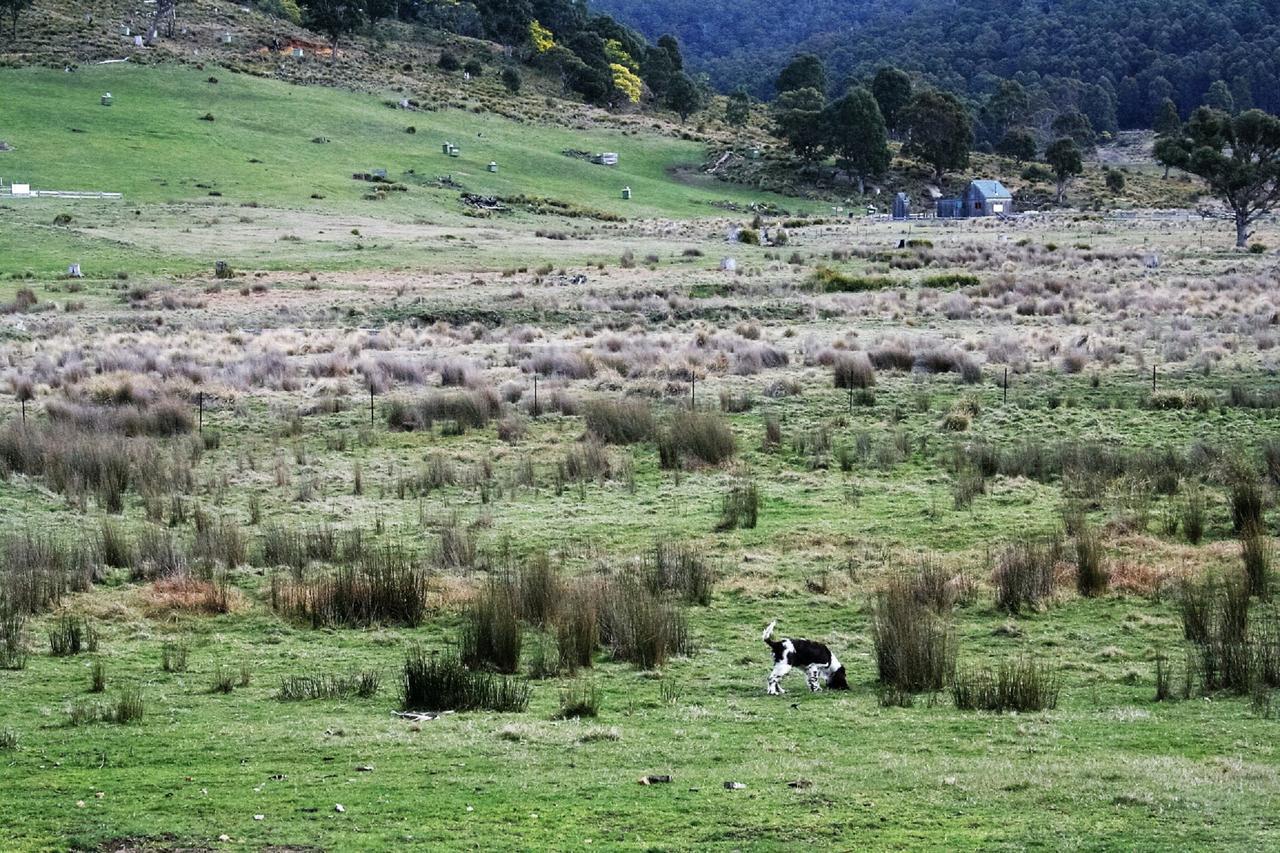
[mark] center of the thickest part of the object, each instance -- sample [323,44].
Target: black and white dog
[818,662]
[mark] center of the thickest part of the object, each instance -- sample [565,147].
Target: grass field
[257,160]
[184,433]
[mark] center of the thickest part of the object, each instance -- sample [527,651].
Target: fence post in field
[200,411]
[370,405]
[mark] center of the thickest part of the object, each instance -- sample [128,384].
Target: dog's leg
[780,670]
[812,675]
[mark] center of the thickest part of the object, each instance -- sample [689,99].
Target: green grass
[152,146]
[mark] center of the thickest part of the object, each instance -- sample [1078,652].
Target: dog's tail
[768,631]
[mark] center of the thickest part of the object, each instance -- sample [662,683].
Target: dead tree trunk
[166,15]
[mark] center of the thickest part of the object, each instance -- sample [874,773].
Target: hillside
[1137,51]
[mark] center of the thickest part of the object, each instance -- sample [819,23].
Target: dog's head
[837,680]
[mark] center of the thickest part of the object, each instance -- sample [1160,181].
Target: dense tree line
[605,62]
[1116,61]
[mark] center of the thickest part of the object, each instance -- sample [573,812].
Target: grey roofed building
[987,198]
[981,198]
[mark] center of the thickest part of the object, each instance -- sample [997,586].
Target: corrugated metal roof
[991,189]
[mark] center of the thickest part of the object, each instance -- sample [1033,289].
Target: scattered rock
[653,779]
[734,786]
[800,784]
[339,808]
[259,817]
[364,768]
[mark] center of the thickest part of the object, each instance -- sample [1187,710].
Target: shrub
[491,633]
[639,625]
[8,740]
[827,280]
[1091,574]
[588,461]
[576,703]
[749,236]
[702,436]
[1024,574]
[440,682]
[740,507]
[853,370]
[363,684]
[219,543]
[224,680]
[1023,685]
[915,650]
[618,421]
[159,555]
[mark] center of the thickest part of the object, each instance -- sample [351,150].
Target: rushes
[915,649]
[491,633]
[440,682]
[577,703]
[682,569]
[1024,574]
[740,507]
[71,635]
[383,586]
[13,638]
[362,684]
[618,421]
[1091,575]
[696,436]
[1021,685]
[640,625]
[1255,552]
[128,707]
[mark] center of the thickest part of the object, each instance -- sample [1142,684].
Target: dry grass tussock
[187,594]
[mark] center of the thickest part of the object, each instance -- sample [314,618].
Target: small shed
[901,206]
[608,158]
[987,198]
[950,208]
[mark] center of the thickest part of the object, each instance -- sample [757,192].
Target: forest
[1132,53]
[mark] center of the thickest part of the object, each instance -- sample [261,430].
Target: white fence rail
[8,194]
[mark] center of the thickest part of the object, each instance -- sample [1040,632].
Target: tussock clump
[71,635]
[699,436]
[639,625]
[580,702]
[491,632]
[1023,685]
[1091,572]
[362,684]
[36,571]
[618,421]
[853,370]
[462,409]
[1024,574]
[385,586]
[915,649]
[440,682]
[680,568]
[740,507]
[13,638]
[578,625]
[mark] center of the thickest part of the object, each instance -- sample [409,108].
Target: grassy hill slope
[154,146]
